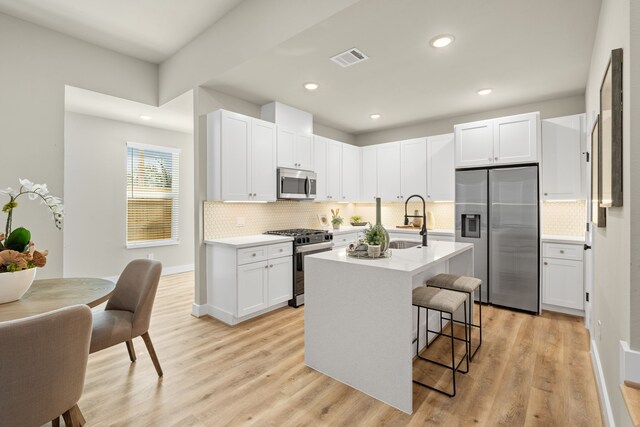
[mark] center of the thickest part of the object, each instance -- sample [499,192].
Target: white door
[515,139]
[562,283]
[413,167]
[441,170]
[334,167]
[320,167]
[590,247]
[389,178]
[474,144]
[252,287]
[304,152]
[263,161]
[286,148]
[280,280]
[235,140]
[350,173]
[562,159]
[369,173]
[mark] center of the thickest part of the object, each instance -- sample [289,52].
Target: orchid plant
[17,251]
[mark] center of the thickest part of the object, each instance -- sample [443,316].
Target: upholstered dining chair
[43,360]
[128,311]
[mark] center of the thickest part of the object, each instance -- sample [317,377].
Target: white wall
[95,182]
[35,66]
[612,244]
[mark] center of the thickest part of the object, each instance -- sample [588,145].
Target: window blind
[153,198]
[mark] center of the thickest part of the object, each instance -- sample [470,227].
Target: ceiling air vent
[350,57]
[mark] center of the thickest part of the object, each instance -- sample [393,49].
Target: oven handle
[314,247]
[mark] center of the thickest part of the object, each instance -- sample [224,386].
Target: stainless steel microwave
[296,184]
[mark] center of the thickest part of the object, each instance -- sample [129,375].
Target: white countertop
[411,260]
[248,241]
[550,238]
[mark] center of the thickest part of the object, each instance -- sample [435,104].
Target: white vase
[14,285]
[373,251]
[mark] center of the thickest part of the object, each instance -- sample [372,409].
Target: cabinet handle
[281,249]
[490,159]
[253,254]
[546,194]
[495,158]
[266,266]
[546,263]
[561,251]
[344,197]
[271,266]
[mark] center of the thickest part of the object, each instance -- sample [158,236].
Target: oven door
[298,268]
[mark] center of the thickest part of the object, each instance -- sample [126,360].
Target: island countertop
[411,260]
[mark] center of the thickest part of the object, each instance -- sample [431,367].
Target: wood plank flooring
[531,371]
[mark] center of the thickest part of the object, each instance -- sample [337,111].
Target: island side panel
[357,327]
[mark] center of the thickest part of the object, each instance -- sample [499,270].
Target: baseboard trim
[199,310]
[605,403]
[629,364]
[563,310]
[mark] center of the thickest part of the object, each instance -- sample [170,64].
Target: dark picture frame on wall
[610,125]
[598,213]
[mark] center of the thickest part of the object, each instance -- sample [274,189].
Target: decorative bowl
[14,284]
[359,224]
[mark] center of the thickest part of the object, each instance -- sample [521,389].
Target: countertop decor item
[377,234]
[431,221]
[417,219]
[18,254]
[357,221]
[336,219]
[323,219]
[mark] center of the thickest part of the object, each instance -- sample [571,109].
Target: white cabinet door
[263,161]
[334,167]
[389,177]
[413,167]
[441,170]
[369,174]
[235,146]
[562,159]
[474,144]
[350,173]
[252,288]
[562,283]
[286,148]
[320,167]
[515,139]
[304,152]
[280,280]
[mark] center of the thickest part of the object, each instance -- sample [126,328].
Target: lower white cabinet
[562,276]
[243,283]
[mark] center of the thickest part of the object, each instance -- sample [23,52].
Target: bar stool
[467,285]
[444,301]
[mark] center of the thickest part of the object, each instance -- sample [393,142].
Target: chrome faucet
[423,232]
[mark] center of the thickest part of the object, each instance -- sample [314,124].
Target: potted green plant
[336,219]
[375,238]
[356,220]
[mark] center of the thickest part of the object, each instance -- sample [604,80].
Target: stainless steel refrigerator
[497,210]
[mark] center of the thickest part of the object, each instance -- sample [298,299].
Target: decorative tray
[365,255]
[359,224]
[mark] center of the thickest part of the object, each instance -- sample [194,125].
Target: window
[152,195]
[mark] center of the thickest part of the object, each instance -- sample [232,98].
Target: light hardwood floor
[531,370]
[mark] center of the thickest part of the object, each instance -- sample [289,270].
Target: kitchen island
[359,321]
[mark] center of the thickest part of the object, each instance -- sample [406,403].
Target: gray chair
[128,311]
[43,360]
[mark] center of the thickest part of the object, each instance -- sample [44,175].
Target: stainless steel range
[305,242]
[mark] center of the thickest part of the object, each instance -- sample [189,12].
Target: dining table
[51,294]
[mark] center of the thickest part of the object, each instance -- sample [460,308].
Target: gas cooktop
[295,232]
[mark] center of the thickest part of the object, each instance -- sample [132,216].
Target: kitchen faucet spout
[423,231]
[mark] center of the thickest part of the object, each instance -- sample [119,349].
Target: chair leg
[152,353]
[73,417]
[55,422]
[131,350]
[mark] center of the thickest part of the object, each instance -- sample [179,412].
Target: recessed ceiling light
[442,40]
[485,91]
[375,116]
[311,86]
[144,117]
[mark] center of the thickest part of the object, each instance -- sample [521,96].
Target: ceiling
[176,114]
[151,30]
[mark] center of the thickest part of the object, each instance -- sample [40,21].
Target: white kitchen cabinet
[295,150]
[350,173]
[563,163]
[562,277]
[334,169]
[369,173]
[413,167]
[241,158]
[320,167]
[441,170]
[252,288]
[389,179]
[474,144]
[280,280]
[342,239]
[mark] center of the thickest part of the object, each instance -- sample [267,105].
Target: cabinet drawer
[562,251]
[343,240]
[254,254]
[280,250]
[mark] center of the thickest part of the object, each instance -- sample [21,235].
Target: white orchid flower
[9,191]
[28,185]
[40,189]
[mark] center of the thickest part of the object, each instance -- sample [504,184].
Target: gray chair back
[136,291]
[43,360]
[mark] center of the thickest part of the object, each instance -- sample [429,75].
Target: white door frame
[589,229]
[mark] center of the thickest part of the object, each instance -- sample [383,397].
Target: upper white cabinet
[562,160]
[413,167]
[320,167]
[241,155]
[441,168]
[389,178]
[369,173]
[506,140]
[350,173]
[334,169]
[295,150]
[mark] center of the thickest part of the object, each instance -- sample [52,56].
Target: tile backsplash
[564,218]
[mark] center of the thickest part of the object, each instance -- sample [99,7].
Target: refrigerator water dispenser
[471,226]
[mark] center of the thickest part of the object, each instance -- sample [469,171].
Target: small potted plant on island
[356,221]
[374,238]
[336,219]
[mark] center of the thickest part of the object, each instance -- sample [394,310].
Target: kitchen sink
[403,244]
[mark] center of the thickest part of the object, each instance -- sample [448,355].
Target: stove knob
[298,240]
